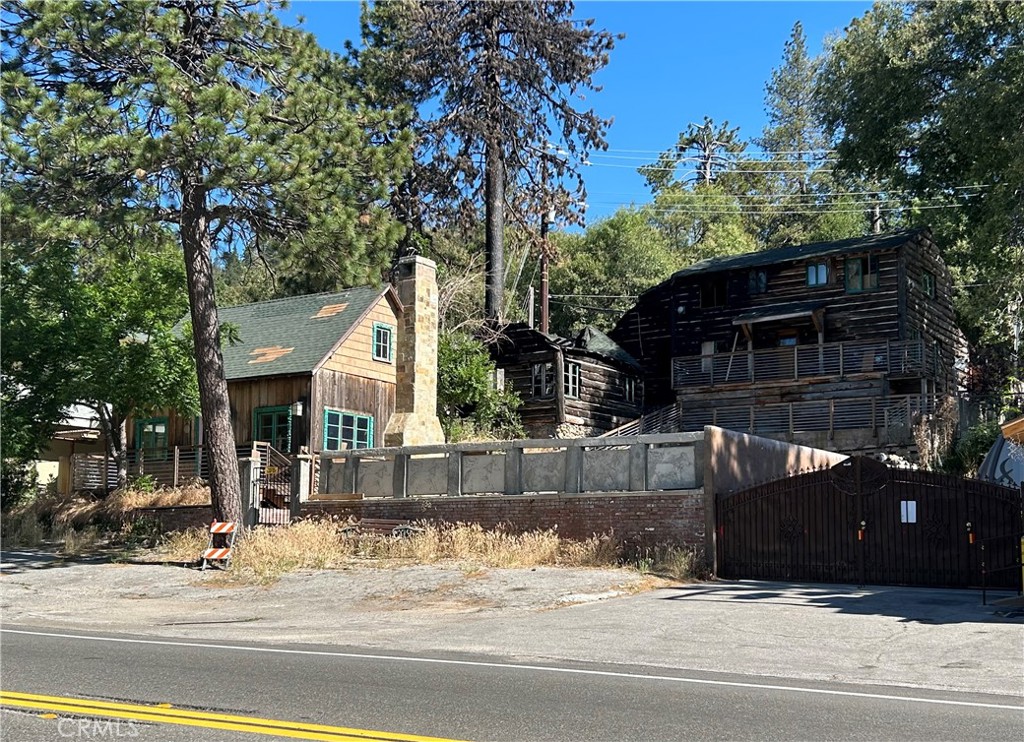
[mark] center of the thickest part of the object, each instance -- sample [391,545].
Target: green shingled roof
[292,335]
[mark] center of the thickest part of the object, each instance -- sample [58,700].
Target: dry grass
[56,517]
[264,554]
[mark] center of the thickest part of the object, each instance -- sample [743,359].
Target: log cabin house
[307,374]
[569,387]
[841,345]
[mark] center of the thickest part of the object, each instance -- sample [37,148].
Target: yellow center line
[164,714]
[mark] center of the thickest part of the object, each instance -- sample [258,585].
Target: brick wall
[656,517]
[177,518]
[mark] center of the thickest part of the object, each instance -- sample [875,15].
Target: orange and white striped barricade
[228,529]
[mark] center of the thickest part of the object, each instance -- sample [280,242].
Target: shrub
[468,403]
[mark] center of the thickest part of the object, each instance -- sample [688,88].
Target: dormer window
[817,274]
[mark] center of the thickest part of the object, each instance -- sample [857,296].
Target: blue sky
[679,62]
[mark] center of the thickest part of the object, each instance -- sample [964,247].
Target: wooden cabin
[308,373]
[854,334]
[569,387]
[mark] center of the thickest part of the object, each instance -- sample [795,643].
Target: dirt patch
[331,605]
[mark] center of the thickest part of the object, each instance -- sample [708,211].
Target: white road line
[509,666]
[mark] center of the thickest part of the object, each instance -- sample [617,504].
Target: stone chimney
[415,420]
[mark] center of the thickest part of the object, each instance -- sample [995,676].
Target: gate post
[249,480]
[300,483]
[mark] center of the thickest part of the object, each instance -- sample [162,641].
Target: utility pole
[876,217]
[547,217]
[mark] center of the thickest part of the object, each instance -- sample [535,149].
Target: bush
[468,404]
[18,482]
[970,450]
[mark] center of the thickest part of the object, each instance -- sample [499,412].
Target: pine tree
[210,117]
[494,84]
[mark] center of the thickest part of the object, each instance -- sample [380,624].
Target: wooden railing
[828,360]
[893,417]
[172,467]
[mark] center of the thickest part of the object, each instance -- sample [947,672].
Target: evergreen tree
[495,84]
[211,118]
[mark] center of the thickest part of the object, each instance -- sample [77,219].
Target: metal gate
[919,528]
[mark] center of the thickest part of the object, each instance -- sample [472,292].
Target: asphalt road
[459,696]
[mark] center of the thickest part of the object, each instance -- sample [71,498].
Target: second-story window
[571,381]
[861,274]
[713,293]
[758,281]
[928,285]
[817,274]
[629,388]
[383,342]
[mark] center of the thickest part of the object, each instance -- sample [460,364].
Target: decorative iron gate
[919,528]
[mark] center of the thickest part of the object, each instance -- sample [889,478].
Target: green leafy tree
[598,274]
[211,118]
[496,86]
[469,403]
[926,97]
[91,327]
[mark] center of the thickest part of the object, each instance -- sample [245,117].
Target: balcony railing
[828,360]
[892,417]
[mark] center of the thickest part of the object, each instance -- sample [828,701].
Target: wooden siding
[931,317]
[601,405]
[669,321]
[246,395]
[350,393]
[355,356]
[602,402]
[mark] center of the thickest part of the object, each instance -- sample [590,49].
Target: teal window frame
[390,357]
[274,410]
[333,442]
[141,423]
[868,268]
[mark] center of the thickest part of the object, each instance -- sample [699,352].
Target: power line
[739,156]
[753,150]
[880,192]
[826,210]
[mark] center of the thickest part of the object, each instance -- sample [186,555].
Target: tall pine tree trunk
[225,489]
[494,204]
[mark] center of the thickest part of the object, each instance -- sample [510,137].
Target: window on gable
[543,380]
[928,285]
[383,342]
[817,274]
[347,430]
[571,380]
[713,293]
[861,274]
[758,281]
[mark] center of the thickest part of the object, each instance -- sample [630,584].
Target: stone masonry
[415,420]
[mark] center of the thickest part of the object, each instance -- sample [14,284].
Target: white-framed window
[629,388]
[347,430]
[817,274]
[571,381]
[543,380]
[383,342]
